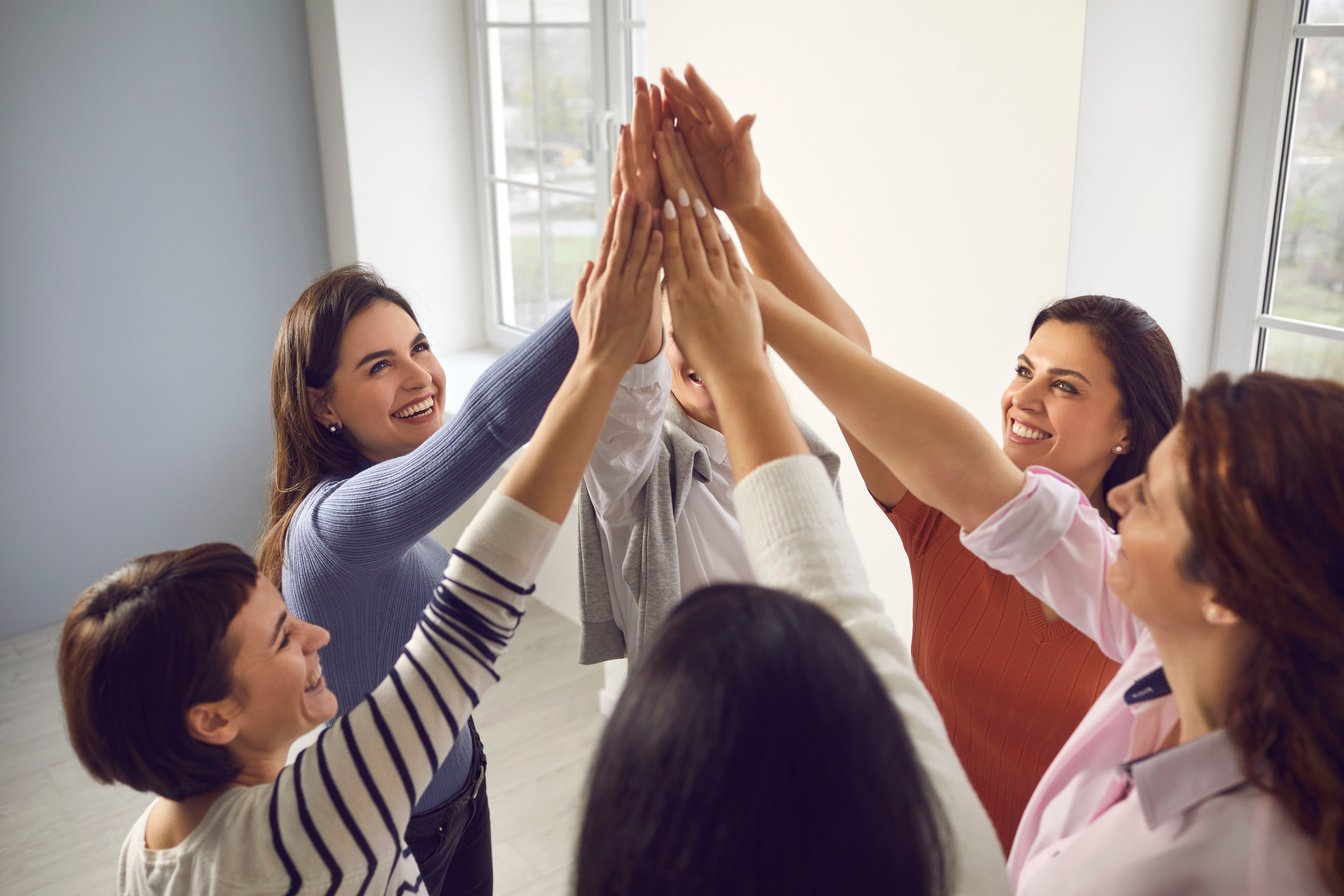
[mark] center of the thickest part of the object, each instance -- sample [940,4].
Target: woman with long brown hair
[366,466]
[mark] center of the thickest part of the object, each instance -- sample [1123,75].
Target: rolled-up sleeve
[1059,548]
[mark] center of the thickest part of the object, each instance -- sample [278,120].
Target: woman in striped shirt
[183,674]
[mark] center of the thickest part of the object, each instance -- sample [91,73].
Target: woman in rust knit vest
[1092,394]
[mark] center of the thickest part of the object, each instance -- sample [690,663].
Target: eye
[1140,495]
[1066,387]
[422,346]
[1022,371]
[284,641]
[377,367]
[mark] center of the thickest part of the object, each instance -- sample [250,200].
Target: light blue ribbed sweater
[358,556]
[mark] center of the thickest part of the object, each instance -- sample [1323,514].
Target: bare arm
[721,149]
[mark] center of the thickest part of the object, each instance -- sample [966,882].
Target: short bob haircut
[755,751]
[140,647]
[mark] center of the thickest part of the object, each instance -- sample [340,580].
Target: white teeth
[313,679]
[417,408]
[1023,431]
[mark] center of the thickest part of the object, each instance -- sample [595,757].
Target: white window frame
[1273,62]
[613,28]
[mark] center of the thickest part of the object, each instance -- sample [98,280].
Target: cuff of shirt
[1019,534]
[651,373]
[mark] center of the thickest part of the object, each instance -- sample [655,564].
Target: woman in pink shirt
[1214,762]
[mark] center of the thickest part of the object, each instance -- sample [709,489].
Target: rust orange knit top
[1010,685]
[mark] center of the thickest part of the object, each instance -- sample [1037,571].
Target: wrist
[742,372]
[755,216]
[600,363]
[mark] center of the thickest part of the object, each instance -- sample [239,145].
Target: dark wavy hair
[1146,373]
[306,354]
[1265,506]
[755,751]
[140,647]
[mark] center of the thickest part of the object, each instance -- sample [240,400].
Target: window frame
[1260,173]
[611,28]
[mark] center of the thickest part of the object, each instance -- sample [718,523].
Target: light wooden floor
[60,833]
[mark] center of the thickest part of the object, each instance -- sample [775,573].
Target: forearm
[756,421]
[776,254]
[937,449]
[547,474]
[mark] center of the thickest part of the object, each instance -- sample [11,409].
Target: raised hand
[636,171]
[719,145]
[615,299]
[714,316]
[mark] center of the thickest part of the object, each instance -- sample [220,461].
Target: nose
[1028,394]
[417,376]
[316,637]
[1121,498]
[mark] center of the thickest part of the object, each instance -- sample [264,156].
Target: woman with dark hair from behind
[183,673]
[367,464]
[1089,396]
[771,743]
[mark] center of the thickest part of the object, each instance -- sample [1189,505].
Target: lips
[422,407]
[1025,433]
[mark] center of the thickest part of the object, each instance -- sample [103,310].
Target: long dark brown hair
[1146,373]
[306,354]
[1265,505]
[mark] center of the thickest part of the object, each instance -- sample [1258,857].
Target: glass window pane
[1309,268]
[1325,12]
[566,107]
[637,49]
[508,10]
[1299,355]
[571,239]
[636,10]
[513,124]
[518,217]
[562,10]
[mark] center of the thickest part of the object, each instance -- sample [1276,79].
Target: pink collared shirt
[1111,814]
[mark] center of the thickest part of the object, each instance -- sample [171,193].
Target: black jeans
[451,844]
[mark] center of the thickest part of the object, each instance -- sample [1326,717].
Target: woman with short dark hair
[184,673]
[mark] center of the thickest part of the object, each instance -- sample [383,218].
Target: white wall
[394,111]
[1161,93]
[160,208]
[924,154]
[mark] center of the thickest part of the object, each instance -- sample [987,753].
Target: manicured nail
[723,231]
[669,210]
[700,211]
[683,197]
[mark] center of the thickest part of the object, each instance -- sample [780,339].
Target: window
[1283,292]
[552,82]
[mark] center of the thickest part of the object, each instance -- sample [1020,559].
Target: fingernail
[669,210]
[683,197]
[700,209]
[723,231]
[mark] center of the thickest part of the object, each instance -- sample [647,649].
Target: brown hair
[1146,373]
[140,647]
[1265,505]
[305,356]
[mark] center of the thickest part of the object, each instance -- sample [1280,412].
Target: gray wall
[160,208]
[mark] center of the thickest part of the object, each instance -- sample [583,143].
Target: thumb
[742,131]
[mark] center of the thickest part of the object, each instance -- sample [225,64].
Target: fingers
[678,185]
[621,233]
[604,247]
[582,288]
[627,167]
[686,100]
[655,108]
[639,243]
[709,101]
[674,259]
[647,277]
[642,121]
[736,269]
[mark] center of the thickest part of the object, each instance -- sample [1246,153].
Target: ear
[214,723]
[1120,445]
[321,407]
[1215,613]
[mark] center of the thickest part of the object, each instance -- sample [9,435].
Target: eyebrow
[386,353]
[279,624]
[1055,371]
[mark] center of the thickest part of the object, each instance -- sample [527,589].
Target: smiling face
[278,681]
[1147,574]
[1062,408]
[385,393]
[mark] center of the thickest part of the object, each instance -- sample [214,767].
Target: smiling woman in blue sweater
[366,466]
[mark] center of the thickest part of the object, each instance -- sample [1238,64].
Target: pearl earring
[334,429]
[1119,449]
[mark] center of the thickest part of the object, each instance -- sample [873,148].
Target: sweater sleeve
[377,514]
[798,540]
[340,809]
